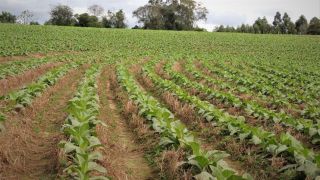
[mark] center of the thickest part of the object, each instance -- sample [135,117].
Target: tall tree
[262,26]
[25,17]
[108,21]
[302,25]
[314,26]
[96,10]
[288,25]
[114,20]
[291,28]
[220,29]
[6,17]
[61,15]
[120,18]
[150,15]
[277,22]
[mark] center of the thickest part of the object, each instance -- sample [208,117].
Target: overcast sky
[226,12]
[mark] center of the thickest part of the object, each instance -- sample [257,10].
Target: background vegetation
[166,15]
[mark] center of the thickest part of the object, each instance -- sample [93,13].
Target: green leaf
[69,147]
[204,176]
[96,167]
[2,117]
[256,140]
[243,136]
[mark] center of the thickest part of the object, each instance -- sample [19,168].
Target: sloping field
[82,103]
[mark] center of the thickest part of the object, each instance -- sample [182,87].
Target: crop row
[291,70]
[311,110]
[16,67]
[306,160]
[292,95]
[251,108]
[79,127]
[286,85]
[174,134]
[24,97]
[292,79]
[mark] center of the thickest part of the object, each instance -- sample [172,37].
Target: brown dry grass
[177,66]
[15,82]
[123,156]
[184,111]
[29,145]
[170,165]
[159,70]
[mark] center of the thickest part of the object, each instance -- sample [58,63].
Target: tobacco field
[88,103]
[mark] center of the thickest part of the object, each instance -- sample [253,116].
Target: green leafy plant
[175,134]
[80,129]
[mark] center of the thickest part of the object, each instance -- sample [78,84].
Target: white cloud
[235,12]
[226,12]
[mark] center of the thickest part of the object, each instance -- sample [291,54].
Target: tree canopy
[302,25]
[280,25]
[167,15]
[6,17]
[25,17]
[314,26]
[114,20]
[85,20]
[96,10]
[170,14]
[61,15]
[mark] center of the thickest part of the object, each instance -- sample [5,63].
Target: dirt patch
[123,158]
[30,141]
[177,67]
[12,83]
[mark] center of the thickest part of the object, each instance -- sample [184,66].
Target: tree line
[166,15]
[156,14]
[24,18]
[62,15]
[280,25]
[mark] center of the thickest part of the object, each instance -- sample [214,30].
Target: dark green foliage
[6,17]
[136,27]
[280,25]
[85,20]
[277,23]
[34,23]
[120,18]
[61,15]
[314,26]
[302,25]
[261,26]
